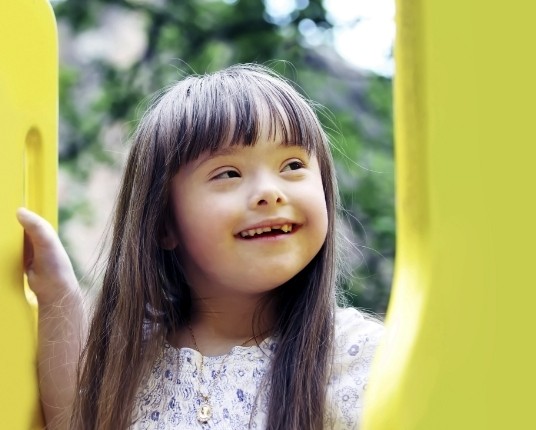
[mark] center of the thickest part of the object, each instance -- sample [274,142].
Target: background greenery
[101,92]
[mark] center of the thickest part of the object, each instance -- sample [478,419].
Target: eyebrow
[226,150]
[222,152]
[233,149]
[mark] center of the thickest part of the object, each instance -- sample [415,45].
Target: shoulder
[356,339]
[353,327]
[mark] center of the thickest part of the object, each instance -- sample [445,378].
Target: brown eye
[228,174]
[294,165]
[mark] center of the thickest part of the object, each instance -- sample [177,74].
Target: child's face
[220,202]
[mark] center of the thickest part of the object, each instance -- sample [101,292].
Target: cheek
[200,246]
[204,225]
[322,225]
[319,212]
[317,219]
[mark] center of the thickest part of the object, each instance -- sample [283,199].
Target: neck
[220,323]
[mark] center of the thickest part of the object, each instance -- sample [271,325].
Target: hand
[49,270]
[62,320]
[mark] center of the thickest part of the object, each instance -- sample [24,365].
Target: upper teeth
[252,232]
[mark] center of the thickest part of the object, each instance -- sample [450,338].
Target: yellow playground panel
[460,325]
[28,168]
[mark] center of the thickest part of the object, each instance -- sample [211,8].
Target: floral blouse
[170,398]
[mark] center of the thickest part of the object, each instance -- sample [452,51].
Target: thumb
[40,238]
[40,232]
[46,263]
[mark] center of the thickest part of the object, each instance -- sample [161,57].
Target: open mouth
[274,230]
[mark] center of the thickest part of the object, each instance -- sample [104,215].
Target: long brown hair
[144,295]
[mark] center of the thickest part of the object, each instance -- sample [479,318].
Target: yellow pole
[28,169]
[460,326]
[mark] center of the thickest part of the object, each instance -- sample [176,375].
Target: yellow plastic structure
[28,169]
[459,352]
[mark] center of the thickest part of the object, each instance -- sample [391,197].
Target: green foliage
[203,35]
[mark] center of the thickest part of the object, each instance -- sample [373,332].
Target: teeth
[285,228]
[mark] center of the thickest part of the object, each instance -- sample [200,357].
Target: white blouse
[170,398]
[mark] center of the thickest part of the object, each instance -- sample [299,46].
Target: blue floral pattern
[169,399]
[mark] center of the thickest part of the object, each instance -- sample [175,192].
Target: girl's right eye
[227,174]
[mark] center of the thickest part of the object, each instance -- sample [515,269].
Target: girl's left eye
[293,165]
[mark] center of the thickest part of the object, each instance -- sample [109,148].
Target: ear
[169,239]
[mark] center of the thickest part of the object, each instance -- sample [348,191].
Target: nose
[266,193]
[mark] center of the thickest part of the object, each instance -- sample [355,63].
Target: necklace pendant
[204,413]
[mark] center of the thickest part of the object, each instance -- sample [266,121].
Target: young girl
[218,306]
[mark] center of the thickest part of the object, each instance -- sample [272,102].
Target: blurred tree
[104,82]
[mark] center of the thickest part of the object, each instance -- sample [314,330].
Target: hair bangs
[236,108]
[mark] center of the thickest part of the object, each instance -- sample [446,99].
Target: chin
[272,279]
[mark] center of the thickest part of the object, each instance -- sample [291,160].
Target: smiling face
[249,183]
[246,219]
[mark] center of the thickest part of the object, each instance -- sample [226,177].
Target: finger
[28,252]
[40,232]
[47,265]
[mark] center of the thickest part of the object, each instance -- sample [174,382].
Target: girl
[218,307]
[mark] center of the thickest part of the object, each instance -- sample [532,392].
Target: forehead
[268,147]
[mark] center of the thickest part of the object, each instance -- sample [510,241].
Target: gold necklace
[204,413]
